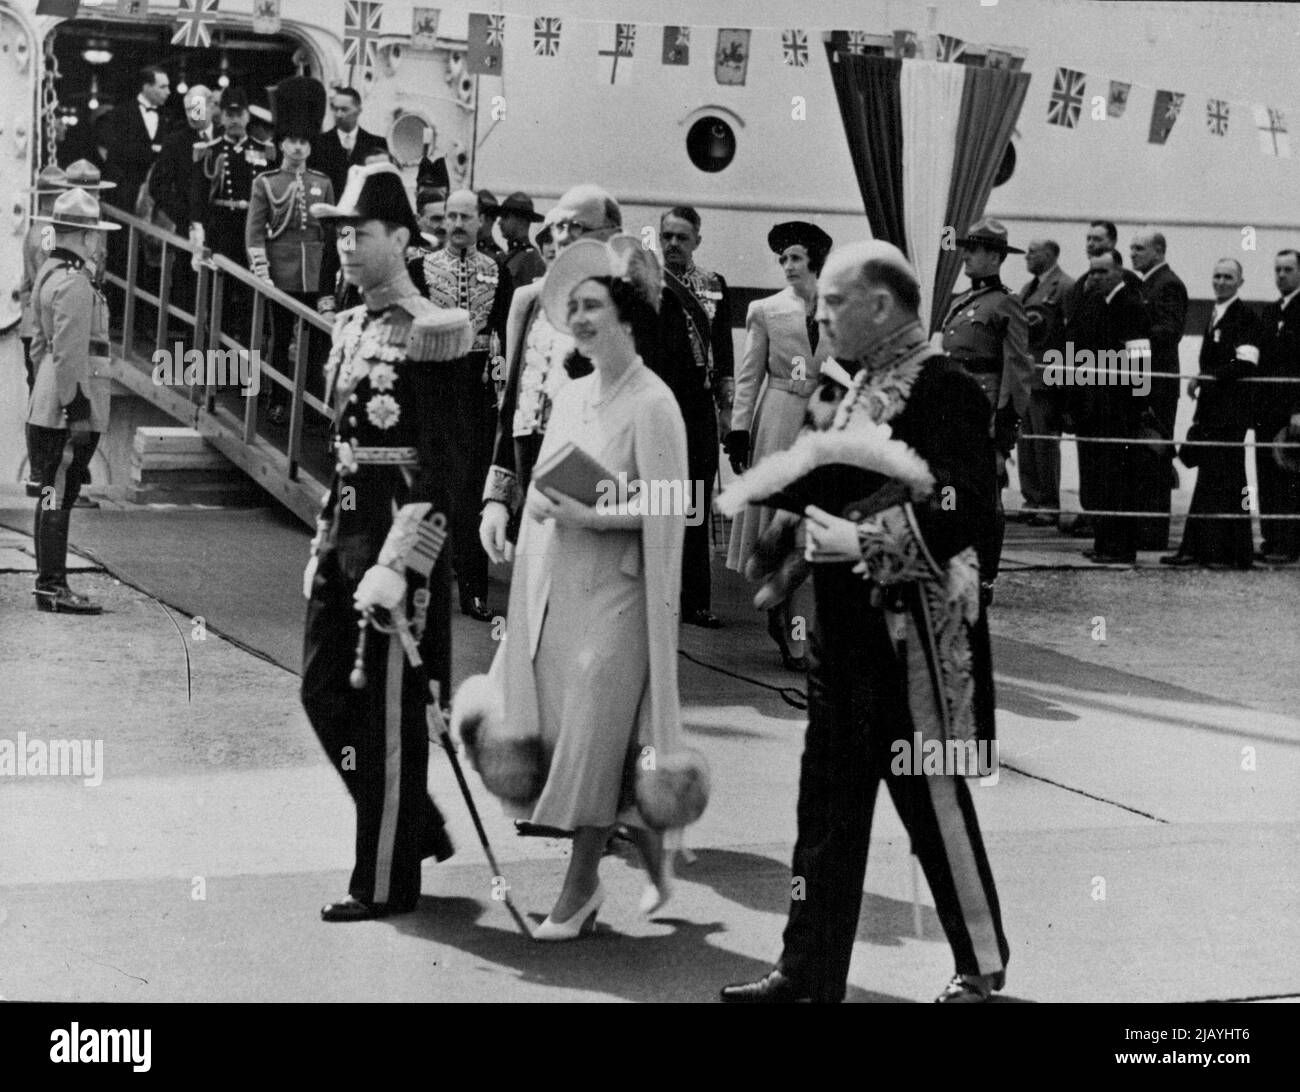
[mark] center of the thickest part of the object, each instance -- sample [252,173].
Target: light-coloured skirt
[777,420]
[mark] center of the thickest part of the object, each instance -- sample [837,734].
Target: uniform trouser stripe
[968,883]
[392,769]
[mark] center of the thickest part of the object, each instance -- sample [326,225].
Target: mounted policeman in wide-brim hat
[990,234]
[77,210]
[373,192]
[84,175]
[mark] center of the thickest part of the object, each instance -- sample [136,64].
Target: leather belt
[231,204]
[802,387]
[386,456]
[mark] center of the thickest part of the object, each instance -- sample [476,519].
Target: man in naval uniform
[286,244]
[986,332]
[534,367]
[68,407]
[378,547]
[900,644]
[460,275]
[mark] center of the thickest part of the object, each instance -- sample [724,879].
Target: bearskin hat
[299,104]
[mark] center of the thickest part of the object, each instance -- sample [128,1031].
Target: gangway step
[178,466]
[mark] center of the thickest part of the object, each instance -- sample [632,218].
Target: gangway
[293,465]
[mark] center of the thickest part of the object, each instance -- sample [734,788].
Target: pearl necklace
[589,404]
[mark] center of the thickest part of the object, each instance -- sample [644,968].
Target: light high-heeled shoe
[584,920]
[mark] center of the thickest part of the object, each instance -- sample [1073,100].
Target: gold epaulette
[436,333]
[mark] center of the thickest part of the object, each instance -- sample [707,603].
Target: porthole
[711,144]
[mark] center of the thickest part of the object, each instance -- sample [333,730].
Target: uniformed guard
[987,333]
[378,547]
[460,275]
[69,403]
[287,245]
[224,182]
[49,184]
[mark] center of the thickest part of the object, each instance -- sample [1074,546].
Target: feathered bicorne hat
[298,105]
[373,192]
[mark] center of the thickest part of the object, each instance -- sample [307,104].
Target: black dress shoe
[477,609]
[1114,559]
[971,989]
[705,619]
[774,988]
[351,909]
[65,601]
[1179,561]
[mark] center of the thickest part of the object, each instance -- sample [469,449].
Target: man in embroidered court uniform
[900,648]
[461,275]
[378,547]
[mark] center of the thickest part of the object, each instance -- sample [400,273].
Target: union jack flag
[1216,117]
[794,48]
[950,48]
[1067,98]
[194,19]
[626,40]
[496,30]
[857,42]
[546,37]
[361,33]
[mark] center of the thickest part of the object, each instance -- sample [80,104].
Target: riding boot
[778,626]
[52,591]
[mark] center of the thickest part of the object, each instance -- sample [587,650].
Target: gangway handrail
[279,472]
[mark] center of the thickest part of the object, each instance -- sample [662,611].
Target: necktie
[814,331]
[1033,287]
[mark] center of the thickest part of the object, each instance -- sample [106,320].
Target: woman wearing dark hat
[589,664]
[777,375]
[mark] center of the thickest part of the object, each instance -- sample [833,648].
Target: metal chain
[50,101]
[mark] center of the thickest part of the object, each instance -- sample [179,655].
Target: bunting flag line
[1216,117]
[1270,123]
[546,37]
[904,45]
[614,58]
[485,48]
[677,45]
[1164,113]
[1067,98]
[424,29]
[949,49]
[194,22]
[1119,93]
[794,48]
[361,22]
[731,61]
[266,16]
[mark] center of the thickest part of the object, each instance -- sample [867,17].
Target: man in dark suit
[1043,299]
[1108,339]
[1165,297]
[1230,351]
[347,144]
[1273,405]
[129,139]
[132,137]
[173,174]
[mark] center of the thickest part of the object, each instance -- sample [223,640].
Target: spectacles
[576,228]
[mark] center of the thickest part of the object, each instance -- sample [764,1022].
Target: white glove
[309,576]
[380,587]
[492,532]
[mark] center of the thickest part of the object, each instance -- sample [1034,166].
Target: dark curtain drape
[990,105]
[871,108]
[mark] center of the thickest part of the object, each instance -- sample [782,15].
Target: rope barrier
[1116,366]
[1144,442]
[1091,512]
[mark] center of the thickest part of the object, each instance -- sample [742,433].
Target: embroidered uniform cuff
[402,536]
[893,551]
[445,334]
[501,486]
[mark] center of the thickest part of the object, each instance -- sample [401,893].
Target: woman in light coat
[779,372]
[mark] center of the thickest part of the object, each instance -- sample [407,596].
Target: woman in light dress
[589,663]
[778,373]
